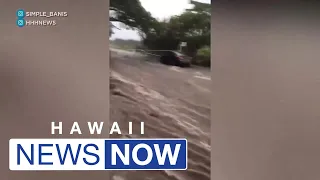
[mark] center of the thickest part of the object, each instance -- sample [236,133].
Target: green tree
[192,26]
[130,13]
[200,7]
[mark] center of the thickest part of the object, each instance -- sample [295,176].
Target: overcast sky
[159,9]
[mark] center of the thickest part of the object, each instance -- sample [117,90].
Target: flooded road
[172,102]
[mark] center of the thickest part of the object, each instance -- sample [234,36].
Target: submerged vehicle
[175,58]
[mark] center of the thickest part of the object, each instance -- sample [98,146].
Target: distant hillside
[125,44]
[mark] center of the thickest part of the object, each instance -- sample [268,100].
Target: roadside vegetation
[192,27]
[125,44]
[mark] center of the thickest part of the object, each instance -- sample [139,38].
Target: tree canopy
[131,13]
[192,26]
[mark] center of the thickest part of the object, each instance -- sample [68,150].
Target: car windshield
[179,54]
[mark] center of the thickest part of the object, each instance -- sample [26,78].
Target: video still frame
[160,78]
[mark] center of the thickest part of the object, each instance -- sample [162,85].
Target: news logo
[97,154]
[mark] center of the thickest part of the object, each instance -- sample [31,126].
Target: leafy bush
[202,57]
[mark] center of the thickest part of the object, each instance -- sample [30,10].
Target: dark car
[175,58]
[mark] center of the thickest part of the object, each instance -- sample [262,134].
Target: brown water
[172,102]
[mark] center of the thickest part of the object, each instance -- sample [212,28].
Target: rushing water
[181,111]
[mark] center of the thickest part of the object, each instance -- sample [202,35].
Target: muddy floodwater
[172,102]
